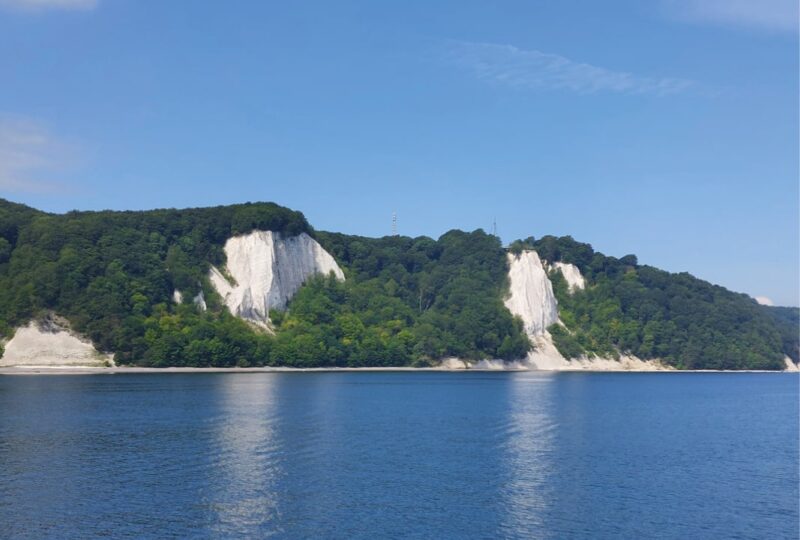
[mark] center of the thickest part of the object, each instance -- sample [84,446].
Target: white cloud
[771,15]
[45,5]
[764,301]
[535,70]
[30,155]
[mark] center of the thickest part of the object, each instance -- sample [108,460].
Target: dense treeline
[787,320]
[406,301]
[112,275]
[687,322]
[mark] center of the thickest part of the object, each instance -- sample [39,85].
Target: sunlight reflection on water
[528,453]
[246,464]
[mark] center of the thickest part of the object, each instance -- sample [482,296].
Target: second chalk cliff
[265,269]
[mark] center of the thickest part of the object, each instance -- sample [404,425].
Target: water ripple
[399,455]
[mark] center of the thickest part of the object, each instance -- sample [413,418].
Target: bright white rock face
[267,270]
[531,297]
[790,365]
[50,343]
[572,275]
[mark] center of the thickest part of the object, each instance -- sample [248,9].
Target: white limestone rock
[177,296]
[266,270]
[572,275]
[50,343]
[531,293]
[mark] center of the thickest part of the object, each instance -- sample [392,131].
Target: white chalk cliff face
[572,275]
[267,269]
[531,299]
[50,343]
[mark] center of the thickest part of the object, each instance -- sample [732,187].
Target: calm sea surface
[399,455]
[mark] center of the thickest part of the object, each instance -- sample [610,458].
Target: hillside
[141,285]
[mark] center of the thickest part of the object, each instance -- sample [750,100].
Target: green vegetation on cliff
[112,275]
[406,301]
[640,310]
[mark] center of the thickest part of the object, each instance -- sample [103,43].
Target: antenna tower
[394,223]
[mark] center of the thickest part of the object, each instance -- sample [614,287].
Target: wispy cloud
[36,6]
[770,15]
[536,70]
[30,155]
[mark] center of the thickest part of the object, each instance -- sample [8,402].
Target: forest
[640,310]
[404,302]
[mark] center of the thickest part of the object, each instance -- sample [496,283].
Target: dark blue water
[399,455]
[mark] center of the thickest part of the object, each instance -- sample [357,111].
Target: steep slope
[267,269]
[531,293]
[531,298]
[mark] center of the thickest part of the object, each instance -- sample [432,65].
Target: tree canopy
[405,301]
[640,310]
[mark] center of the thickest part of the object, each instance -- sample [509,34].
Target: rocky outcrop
[50,342]
[265,269]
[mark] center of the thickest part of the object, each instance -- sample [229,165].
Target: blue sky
[665,128]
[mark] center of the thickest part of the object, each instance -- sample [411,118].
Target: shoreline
[123,370]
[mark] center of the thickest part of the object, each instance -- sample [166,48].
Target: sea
[400,455]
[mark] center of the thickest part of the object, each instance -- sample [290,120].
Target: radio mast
[394,223]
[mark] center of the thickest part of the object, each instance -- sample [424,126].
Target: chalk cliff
[265,269]
[50,342]
[531,298]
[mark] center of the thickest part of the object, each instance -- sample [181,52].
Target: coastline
[121,370]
